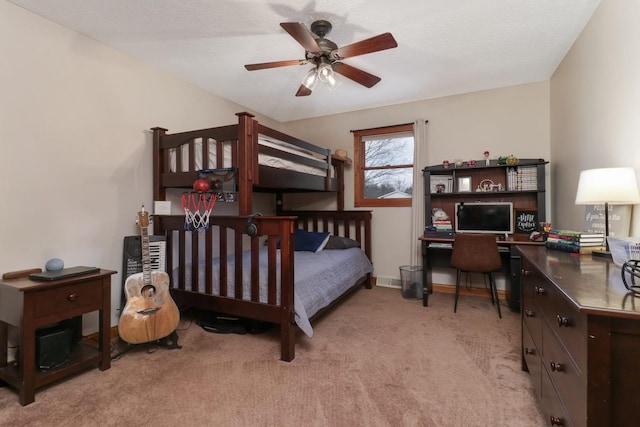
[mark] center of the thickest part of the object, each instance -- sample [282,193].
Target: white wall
[595,106]
[75,146]
[512,120]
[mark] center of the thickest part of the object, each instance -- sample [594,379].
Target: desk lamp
[608,186]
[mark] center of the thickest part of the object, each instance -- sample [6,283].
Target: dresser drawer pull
[556,366]
[562,321]
[529,313]
[539,290]
[555,421]
[72,297]
[525,272]
[529,351]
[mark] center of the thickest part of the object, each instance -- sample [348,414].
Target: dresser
[580,339]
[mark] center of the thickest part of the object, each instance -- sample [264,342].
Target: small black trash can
[411,280]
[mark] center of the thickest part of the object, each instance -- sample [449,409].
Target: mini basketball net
[197,208]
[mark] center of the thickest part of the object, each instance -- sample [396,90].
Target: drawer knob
[529,313]
[72,297]
[562,321]
[529,351]
[555,421]
[539,290]
[556,366]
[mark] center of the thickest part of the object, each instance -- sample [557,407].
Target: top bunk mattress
[263,159]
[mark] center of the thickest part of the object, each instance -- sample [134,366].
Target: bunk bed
[264,159]
[254,266]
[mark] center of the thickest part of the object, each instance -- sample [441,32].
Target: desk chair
[476,253]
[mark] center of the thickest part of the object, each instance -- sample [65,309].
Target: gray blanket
[320,278]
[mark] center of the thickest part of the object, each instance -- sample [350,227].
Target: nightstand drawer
[66,298]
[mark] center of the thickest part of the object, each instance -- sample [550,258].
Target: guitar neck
[146,257]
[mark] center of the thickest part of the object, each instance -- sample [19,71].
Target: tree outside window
[384,166]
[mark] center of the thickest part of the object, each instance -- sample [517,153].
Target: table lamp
[608,186]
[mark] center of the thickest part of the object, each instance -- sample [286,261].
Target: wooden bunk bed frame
[228,236]
[243,139]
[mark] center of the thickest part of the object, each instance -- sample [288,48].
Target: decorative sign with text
[619,219]
[526,221]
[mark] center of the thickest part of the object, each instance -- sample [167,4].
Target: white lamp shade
[616,186]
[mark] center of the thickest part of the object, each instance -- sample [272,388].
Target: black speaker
[53,347]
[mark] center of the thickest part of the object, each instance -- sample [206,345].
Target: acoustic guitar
[150,313]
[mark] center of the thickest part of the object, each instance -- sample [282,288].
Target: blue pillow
[310,241]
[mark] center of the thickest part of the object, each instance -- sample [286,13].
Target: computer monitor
[484,217]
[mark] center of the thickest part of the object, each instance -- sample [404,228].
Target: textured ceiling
[444,47]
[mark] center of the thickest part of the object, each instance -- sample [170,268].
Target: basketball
[201,185]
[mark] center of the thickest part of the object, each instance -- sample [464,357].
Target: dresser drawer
[67,298]
[564,320]
[533,360]
[565,375]
[532,318]
[554,411]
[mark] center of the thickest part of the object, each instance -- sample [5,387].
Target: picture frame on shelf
[464,184]
[441,184]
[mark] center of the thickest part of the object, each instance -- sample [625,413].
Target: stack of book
[574,241]
[442,224]
[522,178]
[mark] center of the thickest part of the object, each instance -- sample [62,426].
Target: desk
[28,305]
[440,256]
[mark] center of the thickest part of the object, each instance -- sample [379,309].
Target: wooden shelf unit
[532,198]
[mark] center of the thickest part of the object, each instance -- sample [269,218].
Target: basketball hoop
[197,208]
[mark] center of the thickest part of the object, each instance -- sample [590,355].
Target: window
[384,166]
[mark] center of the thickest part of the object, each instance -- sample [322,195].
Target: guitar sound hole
[148,291]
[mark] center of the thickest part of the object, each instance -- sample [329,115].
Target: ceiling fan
[326,56]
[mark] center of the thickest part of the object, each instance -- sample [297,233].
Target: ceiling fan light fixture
[325,71]
[309,81]
[327,57]
[332,82]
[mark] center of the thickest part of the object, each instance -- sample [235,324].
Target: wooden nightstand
[29,305]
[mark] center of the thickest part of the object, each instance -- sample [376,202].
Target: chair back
[476,252]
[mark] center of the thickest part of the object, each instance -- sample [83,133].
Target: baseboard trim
[442,288]
[476,292]
[95,337]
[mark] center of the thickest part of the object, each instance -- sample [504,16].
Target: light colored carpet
[376,359]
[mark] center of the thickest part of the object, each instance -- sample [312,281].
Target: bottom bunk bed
[278,269]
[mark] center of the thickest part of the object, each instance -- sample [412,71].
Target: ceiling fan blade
[303,36]
[374,44]
[262,66]
[303,91]
[356,74]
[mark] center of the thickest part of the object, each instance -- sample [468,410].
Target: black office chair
[476,253]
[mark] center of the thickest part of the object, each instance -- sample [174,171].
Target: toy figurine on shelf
[512,160]
[486,158]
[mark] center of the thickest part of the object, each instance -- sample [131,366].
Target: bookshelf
[522,184]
